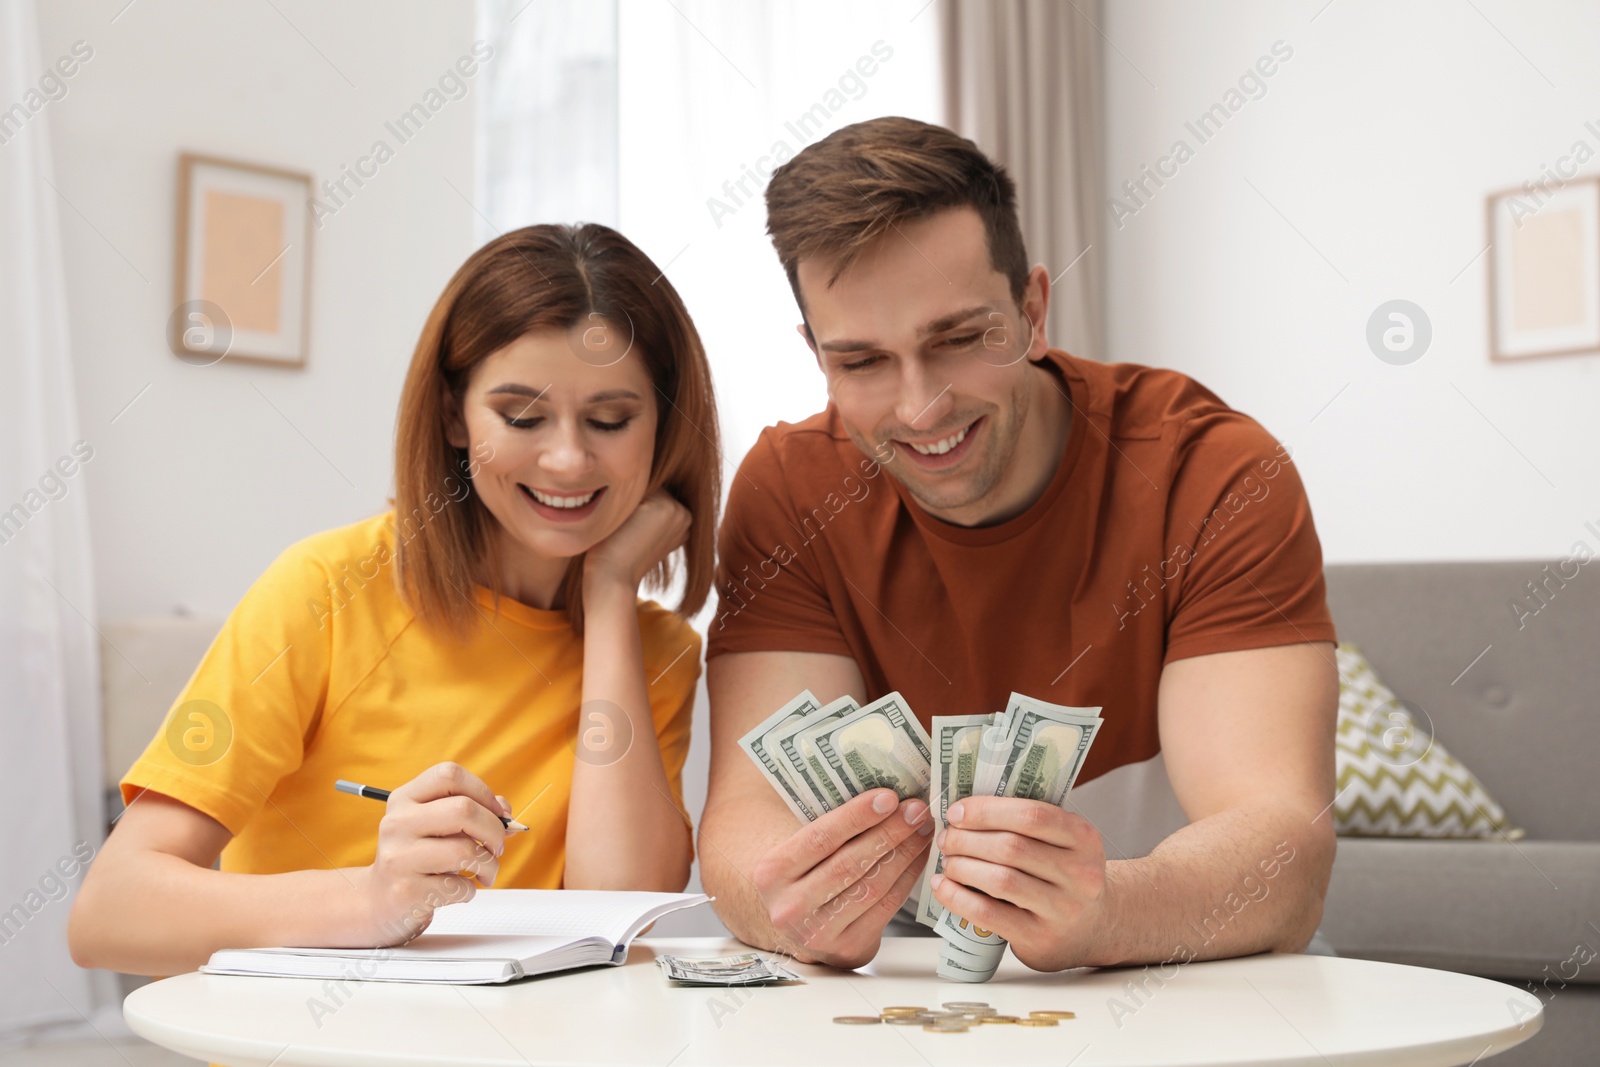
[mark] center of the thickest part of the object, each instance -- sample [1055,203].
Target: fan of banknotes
[818,756]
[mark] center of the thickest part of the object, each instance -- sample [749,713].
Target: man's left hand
[1030,872]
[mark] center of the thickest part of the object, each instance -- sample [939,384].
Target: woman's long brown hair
[546,277]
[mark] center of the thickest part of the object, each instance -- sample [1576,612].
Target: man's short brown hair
[841,194]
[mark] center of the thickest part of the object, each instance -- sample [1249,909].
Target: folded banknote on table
[744,968]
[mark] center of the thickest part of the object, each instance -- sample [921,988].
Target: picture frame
[242,272]
[1544,271]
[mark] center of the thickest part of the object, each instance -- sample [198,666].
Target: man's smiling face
[931,364]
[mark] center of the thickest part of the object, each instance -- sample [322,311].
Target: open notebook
[497,936]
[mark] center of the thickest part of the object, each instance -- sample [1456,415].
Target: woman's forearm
[155,913]
[624,829]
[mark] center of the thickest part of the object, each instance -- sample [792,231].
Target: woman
[557,443]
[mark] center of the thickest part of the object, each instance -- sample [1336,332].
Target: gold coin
[1052,1015]
[1037,1022]
[1001,1019]
[857,1020]
[900,1009]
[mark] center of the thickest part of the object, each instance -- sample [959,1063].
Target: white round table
[1316,1011]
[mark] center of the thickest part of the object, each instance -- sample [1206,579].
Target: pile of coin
[952,1017]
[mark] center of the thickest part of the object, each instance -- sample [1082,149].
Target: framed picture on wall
[1544,271]
[242,285]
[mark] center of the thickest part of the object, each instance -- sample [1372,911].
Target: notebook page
[563,913]
[477,946]
[452,946]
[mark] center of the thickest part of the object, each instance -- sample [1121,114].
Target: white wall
[1377,141]
[215,470]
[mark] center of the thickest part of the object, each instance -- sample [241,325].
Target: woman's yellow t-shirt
[323,672]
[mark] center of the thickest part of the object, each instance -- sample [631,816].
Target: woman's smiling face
[572,441]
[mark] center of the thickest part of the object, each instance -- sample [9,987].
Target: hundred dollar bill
[1047,751]
[993,745]
[996,746]
[956,966]
[969,953]
[791,738]
[878,745]
[957,748]
[760,748]
[1049,744]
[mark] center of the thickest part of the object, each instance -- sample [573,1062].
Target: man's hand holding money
[1028,871]
[832,886]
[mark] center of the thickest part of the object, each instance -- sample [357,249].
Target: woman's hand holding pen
[442,830]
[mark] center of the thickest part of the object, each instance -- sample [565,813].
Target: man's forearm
[1232,884]
[729,850]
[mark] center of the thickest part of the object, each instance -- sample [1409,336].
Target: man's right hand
[831,887]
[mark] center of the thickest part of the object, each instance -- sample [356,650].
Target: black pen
[355,789]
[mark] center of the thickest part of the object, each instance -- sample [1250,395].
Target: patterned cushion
[1395,778]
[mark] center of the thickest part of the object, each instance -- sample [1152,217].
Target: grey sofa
[1526,719]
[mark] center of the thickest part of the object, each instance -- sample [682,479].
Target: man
[1089,534]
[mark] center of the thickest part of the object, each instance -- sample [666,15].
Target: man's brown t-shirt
[1173,527]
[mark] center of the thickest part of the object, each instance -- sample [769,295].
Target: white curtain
[50,755]
[547,122]
[1022,79]
[714,94]
[683,110]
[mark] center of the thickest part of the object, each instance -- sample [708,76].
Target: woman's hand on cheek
[657,526]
